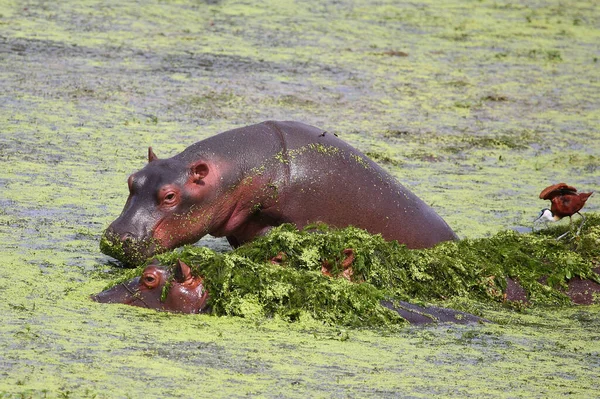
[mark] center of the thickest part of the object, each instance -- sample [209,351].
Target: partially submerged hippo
[580,291]
[159,289]
[242,182]
[180,291]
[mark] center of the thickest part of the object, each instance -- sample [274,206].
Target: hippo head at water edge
[163,196]
[241,183]
[160,288]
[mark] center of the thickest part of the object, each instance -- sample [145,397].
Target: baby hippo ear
[199,171]
[183,272]
[151,155]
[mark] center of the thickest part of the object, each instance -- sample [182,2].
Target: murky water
[474,106]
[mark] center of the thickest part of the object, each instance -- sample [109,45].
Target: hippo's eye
[168,196]
[170,199]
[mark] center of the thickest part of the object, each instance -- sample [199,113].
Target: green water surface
[476,106]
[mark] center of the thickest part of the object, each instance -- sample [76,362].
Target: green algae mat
[298,275]
[476,106]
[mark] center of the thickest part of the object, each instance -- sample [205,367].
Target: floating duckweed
[282,157]
[383,158]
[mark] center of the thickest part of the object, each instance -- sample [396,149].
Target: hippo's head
[169,205]
[158,288]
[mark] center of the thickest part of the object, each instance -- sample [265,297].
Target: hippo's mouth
[125,293]
[131,252]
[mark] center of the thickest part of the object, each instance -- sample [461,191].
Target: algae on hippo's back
[247,284]
[257,289]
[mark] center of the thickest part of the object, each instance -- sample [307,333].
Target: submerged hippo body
[242,182]
[179,291]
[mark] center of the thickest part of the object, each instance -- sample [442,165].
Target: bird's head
[546,214]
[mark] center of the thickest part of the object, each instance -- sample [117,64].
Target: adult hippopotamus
[242,182]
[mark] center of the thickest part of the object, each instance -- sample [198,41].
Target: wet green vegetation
[476,106]
[468,274]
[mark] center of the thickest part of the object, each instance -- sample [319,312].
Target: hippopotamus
[181,292]
[185,293]
[178,290]
[581,291]
[241,183]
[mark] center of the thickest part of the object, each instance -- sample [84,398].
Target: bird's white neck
[547,214]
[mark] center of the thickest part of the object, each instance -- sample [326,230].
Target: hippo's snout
[125,293]
[127,248]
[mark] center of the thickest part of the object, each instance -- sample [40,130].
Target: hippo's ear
[349,257]
[199,171]
[151,155]
[182,272]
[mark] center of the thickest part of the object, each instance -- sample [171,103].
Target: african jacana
[566,201]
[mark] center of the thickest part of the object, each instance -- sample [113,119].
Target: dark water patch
[383,158]
[222,63]
[44,48]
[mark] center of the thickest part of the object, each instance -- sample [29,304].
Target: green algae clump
[112,248]
[241,286]
[246,283]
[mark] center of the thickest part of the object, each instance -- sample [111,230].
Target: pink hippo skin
[242,182]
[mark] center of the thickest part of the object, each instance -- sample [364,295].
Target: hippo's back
[330,181]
